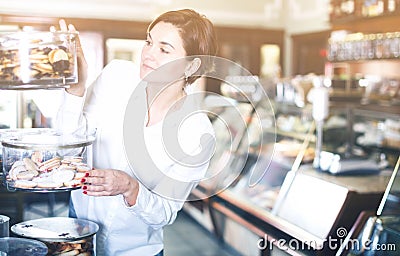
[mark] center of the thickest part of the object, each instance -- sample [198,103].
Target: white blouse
[135,230]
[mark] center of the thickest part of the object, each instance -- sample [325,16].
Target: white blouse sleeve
[70,117]
[153,209]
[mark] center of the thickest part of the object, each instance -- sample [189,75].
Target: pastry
[25,184]
[17,163]
[37,157]
[81,247]
[79,175]
[62,175]
[29,164]
[73,183]
[67,166]
[50,164]
[49,184]
[56,55]
[73,159]
[56,172]
[16,170]
[82,168]
[43,177]
[44,59]
[27,175]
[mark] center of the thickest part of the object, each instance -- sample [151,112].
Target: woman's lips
[145,70]
[147,67]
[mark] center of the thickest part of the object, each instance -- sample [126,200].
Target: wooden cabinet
[367,16]
[309,53]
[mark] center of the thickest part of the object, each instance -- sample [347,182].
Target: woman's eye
[147,42]
[163,50]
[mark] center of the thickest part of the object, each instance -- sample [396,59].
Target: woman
[130,215]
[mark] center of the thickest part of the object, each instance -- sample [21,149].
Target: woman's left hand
[109,182]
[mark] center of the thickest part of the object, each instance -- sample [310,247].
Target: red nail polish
[85,192]
[84,187]
[87,174]
[83,180]
[92,168]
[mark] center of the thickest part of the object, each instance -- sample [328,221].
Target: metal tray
[11,188]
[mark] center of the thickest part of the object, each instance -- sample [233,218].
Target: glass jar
[61,235]
[38,60]
[45,160]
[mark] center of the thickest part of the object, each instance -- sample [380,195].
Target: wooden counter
[317,206]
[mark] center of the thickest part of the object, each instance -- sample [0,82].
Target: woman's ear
[193,66]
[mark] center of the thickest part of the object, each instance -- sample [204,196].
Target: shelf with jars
[346,10]
[364,67]
[363,47]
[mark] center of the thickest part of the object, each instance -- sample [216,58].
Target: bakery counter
[303,212]
[312,218]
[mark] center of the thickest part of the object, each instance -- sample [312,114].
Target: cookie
[65,166]
[83,168]
[73,159]
[73,183]
[27,175]
[16,170]
[25,184]
[49,184]
[62,175]
[38,58]
[54,159]
[57,55]
[29,164]
[50,164]
[79,175]
[17,163]
[37,157]
[44,67]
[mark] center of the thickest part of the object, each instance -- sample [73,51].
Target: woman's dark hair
[198,36]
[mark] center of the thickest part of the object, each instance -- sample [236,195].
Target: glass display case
[377,132]
[277,194]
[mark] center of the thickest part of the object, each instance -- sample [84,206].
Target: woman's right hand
[79,88]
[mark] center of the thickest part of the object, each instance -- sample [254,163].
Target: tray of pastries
[45,160]
[62,235]
[38,60]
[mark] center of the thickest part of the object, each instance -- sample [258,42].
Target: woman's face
[163,44]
